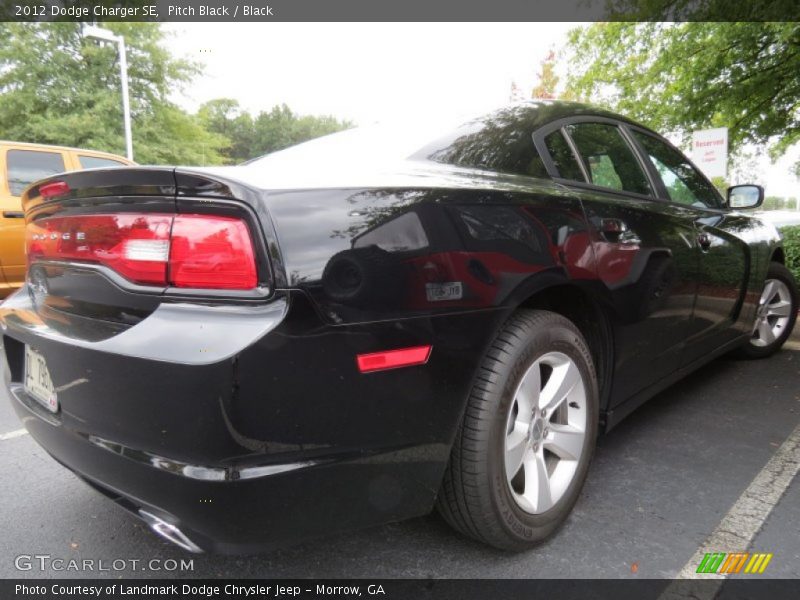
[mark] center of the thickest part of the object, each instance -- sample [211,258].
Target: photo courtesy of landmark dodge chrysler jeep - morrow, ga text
[365,326]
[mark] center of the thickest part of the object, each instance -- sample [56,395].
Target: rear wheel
[523,449]
[776,313]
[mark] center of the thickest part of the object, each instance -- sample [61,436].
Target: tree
[777,203]
[225,117]
[61,88]
[267,132]
[280,128]
[548,80]
[680,77]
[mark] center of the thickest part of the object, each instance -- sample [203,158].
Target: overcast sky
[370,72]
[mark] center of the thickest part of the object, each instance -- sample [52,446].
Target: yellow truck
[20,165]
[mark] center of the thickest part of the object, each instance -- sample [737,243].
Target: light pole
[109,36]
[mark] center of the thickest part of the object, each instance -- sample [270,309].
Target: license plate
[438,292]
[38,384]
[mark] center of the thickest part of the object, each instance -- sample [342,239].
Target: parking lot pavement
[661,482]
[781,536]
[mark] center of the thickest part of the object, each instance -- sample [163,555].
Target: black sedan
[360,328]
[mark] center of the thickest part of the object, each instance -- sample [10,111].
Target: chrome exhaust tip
[169,532]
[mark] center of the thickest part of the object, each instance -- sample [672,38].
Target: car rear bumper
[228,510]
[241,440]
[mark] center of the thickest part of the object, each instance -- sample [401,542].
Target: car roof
[540,112]
[400,153]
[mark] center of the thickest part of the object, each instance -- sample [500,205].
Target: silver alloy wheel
[774,310]
[545,432]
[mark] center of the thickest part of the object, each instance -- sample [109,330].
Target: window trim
[5,185]
[662,188]
[550,164]
[560,124]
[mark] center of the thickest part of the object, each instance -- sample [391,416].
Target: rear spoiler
[133,182]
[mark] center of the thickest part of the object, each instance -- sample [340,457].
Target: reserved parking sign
[710,151]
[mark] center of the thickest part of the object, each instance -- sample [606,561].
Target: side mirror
[745,196]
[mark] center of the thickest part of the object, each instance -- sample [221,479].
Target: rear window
[94,162]
[610,160]
[27,166]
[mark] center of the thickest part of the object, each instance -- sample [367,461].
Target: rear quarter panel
[449,268]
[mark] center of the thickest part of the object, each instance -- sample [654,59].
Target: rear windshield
[493,143]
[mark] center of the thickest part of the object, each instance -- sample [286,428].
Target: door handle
[613,226]
[13,214]
[704,241]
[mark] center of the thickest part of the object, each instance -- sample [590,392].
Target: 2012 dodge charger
[356,329]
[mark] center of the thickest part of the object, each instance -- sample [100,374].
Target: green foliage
[682,77]
[779,203]
[603,172]
[721,184]
[267,132]
[58,87]
[224,117]
[791,247]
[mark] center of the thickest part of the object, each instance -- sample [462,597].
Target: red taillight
[135,246]
[56,188]
[188,251]
[211,252]
[393,359]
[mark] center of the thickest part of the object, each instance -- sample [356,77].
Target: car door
[22,166]
[723,257]
[643,246]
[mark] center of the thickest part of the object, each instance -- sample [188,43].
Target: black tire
[476,497]
[753,351]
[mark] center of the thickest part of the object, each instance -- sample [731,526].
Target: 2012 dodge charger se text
[360,328]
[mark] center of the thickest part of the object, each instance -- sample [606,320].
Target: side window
[685,185]
[610,160]
[27,166]
[95,162]
[562,156]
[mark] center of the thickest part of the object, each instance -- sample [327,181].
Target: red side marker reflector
[56,188]
[393,359]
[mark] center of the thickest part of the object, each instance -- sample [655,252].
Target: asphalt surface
[660,483]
